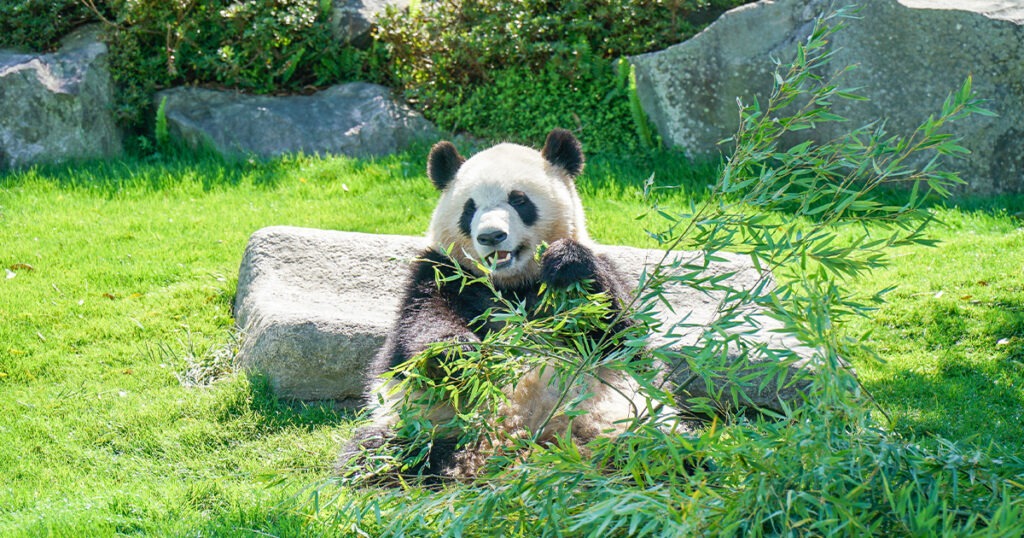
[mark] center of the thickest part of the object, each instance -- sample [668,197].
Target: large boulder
[56,106]
[314,307]
[352,20]
[909,55]
[357,119]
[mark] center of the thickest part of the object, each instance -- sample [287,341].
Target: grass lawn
[120,276]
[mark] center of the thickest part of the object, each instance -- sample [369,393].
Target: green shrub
[524,106]
[511,69]
[496,68]
[39,25]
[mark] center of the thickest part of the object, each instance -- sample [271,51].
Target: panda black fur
[499,206]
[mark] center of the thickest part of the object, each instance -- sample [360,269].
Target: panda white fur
[498,207]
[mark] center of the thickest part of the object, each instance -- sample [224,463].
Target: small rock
[352,20]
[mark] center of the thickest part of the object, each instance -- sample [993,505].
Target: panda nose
[491,238]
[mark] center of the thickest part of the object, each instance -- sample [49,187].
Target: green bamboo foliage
[822,467]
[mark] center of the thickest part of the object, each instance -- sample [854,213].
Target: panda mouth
[500,259]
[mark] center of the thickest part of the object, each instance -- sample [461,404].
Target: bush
[40,24]
[500,69]
[523,106]
[512,69]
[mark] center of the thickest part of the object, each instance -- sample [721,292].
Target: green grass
[134,266]
[952,333]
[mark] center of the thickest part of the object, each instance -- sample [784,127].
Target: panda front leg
[430,320]
[615,395]
[426,321]
[426,317]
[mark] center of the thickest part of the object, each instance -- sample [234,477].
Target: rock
[910,54]
[357,119]
[55,107]
[352,20]
[315,306]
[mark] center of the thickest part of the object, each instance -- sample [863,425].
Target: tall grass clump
[811,218]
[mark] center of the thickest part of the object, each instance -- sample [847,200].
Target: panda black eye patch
[524,206]
[466,220]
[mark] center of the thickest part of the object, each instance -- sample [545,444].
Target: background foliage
[283,46]
[39,24]
[505,69]
[496,68]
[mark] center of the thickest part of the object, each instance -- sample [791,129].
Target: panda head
[497,207]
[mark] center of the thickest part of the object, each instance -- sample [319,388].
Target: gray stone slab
[357,119]
[315,306]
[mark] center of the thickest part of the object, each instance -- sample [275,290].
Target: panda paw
[566,262]
[365,440]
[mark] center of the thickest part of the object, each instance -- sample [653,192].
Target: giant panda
[495,209]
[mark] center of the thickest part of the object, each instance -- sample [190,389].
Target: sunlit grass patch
[119,265]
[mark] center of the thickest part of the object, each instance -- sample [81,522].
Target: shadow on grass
[283,513]
[210,169]
[947,405]
[604,172]
[276,413]
[670,169]
[977,391]
[999,206]
[109,177]
[246,522]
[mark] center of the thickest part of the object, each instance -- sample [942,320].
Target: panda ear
[443,162]
[563,150]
